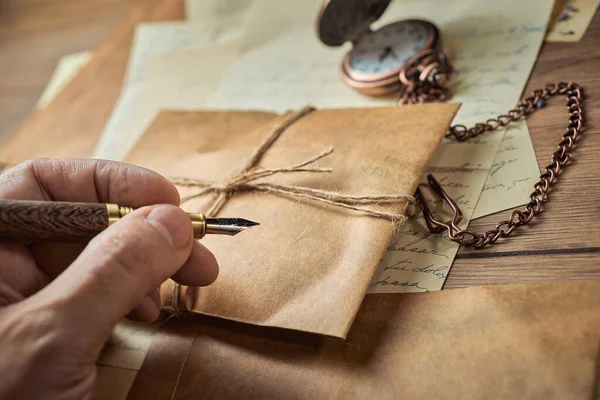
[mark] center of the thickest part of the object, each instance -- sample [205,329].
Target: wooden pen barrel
[51,221]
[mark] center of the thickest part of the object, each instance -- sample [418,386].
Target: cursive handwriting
[497,166]
[482,30]
[502,185]
[466,167]
[417,250]
[411,231]
[386,281]
[445,181]
[437,271]
[460,200]
[398,266]
[510,147]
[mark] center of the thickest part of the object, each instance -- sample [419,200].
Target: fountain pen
[52,221]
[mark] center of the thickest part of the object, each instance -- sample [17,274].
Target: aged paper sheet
[493,50]
[268,19]
[67,68]
[515,168]
[508,184]
[277,76]
[512,175]
[122,358]
[572,29]
[181,80]
[152,40]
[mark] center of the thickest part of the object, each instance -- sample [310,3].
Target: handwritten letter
[418,260]
[512,175]
[494,50]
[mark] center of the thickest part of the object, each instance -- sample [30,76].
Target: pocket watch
[404,57]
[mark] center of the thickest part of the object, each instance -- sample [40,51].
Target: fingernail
[172,224]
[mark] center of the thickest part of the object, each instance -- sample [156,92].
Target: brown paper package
[308,265]
[504,342]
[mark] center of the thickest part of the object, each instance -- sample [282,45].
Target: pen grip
[51,221]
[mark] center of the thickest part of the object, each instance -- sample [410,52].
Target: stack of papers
[265,55]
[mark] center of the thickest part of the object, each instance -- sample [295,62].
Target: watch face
[389,48]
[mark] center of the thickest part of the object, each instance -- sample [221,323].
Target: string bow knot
[247,180]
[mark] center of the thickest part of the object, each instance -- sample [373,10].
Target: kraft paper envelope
[308,265]
[535,342]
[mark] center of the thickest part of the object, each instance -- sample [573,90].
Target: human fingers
[122,266]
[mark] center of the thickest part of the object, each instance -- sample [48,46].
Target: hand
[60,302]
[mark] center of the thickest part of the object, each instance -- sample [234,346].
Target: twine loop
[248,180]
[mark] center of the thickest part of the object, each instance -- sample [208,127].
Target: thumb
[122,266]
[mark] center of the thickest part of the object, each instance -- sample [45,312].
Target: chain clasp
[434,225]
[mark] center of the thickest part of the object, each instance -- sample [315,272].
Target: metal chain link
[538,197]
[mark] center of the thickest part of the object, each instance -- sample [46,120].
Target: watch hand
[385,53]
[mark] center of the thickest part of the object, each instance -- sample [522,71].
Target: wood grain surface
[34,34]
[561,244]
[51,221]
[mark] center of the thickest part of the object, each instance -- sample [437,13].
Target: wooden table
[34,34]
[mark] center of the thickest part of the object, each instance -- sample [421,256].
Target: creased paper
[536,342]
[152,40]
[308,264]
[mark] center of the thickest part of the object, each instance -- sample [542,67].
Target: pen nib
[228,226]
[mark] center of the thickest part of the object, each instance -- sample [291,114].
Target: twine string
[246,180]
